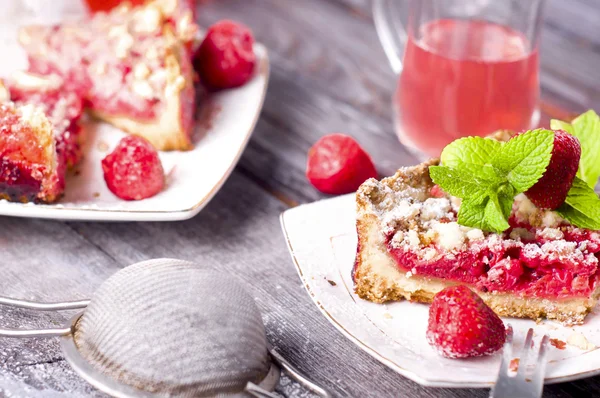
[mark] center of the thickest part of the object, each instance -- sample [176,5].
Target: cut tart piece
[63,107]
[132,66]
[411,247]
[29,166]
[40,137]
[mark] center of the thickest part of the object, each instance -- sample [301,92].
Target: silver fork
[521,385]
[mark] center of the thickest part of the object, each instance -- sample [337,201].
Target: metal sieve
[168,328]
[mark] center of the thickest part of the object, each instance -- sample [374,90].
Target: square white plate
[322,241]
[226,122]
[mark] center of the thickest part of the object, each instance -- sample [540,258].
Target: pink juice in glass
[463,78]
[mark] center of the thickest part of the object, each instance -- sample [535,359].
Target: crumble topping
[434,221]
[475,234]
[526,212]
[431,221]
[551,233]
[521,234]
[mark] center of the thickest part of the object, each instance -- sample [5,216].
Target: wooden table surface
[328,74]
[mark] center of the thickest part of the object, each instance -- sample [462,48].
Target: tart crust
[377,277]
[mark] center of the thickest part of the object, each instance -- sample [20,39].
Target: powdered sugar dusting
[526,212]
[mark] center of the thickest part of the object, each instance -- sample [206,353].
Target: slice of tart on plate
[29,165]
[411,246]
[40,137]
[132,65]
[322,241]
[513,222]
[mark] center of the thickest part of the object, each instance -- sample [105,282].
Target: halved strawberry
[337,164]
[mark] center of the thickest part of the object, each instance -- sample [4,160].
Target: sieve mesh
[170,327]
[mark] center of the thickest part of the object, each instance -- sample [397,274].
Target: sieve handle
[19,333]
[296,375]
[33,305]
[259,392]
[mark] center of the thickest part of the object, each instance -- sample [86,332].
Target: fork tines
[522,385]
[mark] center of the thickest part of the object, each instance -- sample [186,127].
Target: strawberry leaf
[582,206]
[560,125]
[586,128]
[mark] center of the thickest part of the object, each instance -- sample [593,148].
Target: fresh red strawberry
[337,164]
[226,57]
[551,190]
[133,171]
[461,325]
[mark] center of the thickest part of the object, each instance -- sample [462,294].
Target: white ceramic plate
[225,125]
[322,240]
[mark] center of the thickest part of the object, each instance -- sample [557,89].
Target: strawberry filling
[553,262]
[537,267]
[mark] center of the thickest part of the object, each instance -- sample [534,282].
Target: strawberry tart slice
[39,137]
[132,65]
[412,243]
[29,165]
[64,109]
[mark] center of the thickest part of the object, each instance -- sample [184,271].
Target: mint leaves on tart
[487,174]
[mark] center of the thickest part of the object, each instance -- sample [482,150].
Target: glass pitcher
[466,67]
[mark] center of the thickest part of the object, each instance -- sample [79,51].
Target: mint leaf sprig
[487,175]
[586,127]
